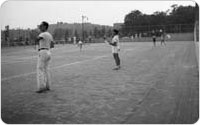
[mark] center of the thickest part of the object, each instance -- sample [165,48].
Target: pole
[7,35]
[82,28]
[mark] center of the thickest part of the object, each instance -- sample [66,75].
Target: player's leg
[118,60]
[40,73]
[154,41]
[81,46]
[115,58]
[164,42]
[47,73]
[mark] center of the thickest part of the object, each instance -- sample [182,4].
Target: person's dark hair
[116,31]
[45,24]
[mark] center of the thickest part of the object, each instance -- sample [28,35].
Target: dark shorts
[154,39]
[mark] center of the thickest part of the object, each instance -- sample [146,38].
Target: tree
[76,34]
[85,34]
[137,22]
[131,20]
[66,35]
[33,36]
[59,33]
[182,15]
[103,31]
[95,32]
[90,33]
[109,33]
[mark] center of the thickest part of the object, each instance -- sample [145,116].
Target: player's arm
[105,40]
[38,40]
[113,44]
[114,41]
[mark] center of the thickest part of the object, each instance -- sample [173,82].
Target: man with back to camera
[43,41]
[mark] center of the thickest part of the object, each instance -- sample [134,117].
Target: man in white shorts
[44,55]
[162,37]
[115,48]
[80,44]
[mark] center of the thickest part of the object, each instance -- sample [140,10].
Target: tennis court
[155,85]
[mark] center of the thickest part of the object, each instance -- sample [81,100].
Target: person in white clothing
[115,48]
[44,56]
[80,44]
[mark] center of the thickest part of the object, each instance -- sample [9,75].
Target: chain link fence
[146,30]
[21,38]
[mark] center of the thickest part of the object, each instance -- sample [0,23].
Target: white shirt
[115,39]
[80,42]
[45,42]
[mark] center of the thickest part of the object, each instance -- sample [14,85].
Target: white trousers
[43,75]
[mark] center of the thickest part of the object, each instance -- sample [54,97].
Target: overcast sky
[28,14]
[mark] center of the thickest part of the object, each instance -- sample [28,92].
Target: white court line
[19,60]
[56,67]
[29,48]
[24,59]
[27,58]
[61,66]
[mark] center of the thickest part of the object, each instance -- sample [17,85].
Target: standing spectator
[162,36]
[154,37]
[44,41]
[74,40]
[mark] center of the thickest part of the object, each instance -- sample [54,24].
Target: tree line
[64,34]
[178,17]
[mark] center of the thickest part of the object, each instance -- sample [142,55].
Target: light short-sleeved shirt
[115,39]
[80,42]
[46,41]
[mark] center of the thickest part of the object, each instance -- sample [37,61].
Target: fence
[146,30]
[133,31]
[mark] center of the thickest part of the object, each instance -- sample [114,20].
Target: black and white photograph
[99,62]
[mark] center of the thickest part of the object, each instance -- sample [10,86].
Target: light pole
[83,17]
[7,35]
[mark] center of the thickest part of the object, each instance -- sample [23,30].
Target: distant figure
[162,38]
[131,37]
[154,37]
[136,35]
[74,38]
[80,44]
[69,39]
[168,36]
[90,39]
[44,42]
[161,31]
[140,35]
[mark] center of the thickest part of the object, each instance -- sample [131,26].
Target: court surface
[155,85]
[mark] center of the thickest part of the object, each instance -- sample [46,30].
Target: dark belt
[43,49]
